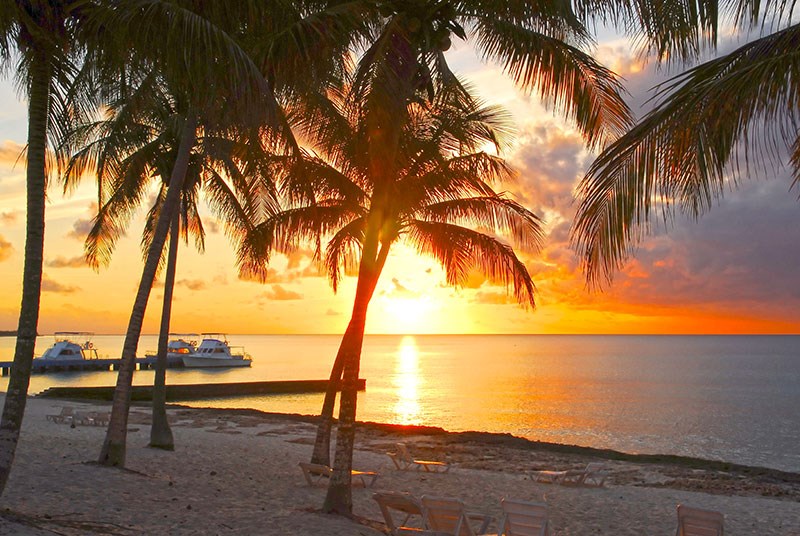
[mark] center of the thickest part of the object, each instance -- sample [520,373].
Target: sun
[404,315]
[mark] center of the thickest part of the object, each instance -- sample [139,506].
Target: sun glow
[407,382]
[408,315]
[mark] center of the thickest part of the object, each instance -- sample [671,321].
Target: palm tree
[440,181]
[41,41]
[739,108]
[211,102]
[138,142]
[539,47]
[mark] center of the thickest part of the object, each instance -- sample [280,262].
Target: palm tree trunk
[339,498]
[17,391]
[113,450]
[160,432]
[322,444]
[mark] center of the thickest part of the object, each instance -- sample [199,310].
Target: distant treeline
[11,333]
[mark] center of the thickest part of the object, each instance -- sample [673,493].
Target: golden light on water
[407,382]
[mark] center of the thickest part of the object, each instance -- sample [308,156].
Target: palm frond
[342,253]
[740,109]
[498,213]
[566,77]
[459,250]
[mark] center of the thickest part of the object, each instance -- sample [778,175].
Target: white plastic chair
[521,518]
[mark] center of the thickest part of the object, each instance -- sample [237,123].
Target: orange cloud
[6,249]
[50,285]
[192,284]
[278,293]
[12,153]
[63,262]
[8,217]
[494,298]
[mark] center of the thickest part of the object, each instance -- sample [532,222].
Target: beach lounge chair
[444,516]
[318,475]
[401,502]
[522,518]
[402,460]
[64,416]
[593,475]
[596,474]
[549,477]
[79,418]
[99,418]
[697,522]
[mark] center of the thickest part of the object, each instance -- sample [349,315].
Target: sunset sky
[734,271]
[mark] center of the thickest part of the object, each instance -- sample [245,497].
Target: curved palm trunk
[339,498]
[160,432]
[322,444]
[385,138]
[17,392]
[113,450]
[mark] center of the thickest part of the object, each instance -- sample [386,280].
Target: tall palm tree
[440,189]
[740,108]
[137,143]
[42,42]
[211,102]
[541,46]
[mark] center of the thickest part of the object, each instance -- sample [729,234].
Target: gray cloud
[80,229]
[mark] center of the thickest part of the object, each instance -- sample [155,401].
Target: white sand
[239,475]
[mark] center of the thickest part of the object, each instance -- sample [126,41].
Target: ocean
[731,398]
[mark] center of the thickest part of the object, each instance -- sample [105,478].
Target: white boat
[66,349]
[178,347]
[214,351]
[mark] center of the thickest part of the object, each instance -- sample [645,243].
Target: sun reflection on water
[407,382]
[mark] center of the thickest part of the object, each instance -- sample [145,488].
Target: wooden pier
[42,366]
[197,391]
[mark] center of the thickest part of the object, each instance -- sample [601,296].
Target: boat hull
[214,362]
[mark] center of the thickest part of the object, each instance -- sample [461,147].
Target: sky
[733,271]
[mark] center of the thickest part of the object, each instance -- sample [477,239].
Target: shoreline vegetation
[235,471]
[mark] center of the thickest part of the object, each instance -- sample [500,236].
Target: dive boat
[214,351]
[178,347]
[66,349]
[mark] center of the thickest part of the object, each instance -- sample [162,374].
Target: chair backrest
[697,522]
[397,500]
[446,515]
[521,518]
[402,452]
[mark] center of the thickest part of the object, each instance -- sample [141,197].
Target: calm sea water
[734,398]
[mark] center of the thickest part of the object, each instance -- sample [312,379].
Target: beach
[236,472]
